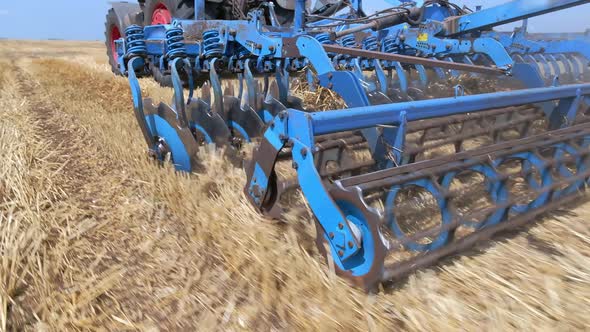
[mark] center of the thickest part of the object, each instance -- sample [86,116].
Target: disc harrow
[450,133]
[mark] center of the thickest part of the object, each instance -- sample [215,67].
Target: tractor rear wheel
[117,20]
[163,11]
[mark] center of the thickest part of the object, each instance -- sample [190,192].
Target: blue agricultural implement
[452,131]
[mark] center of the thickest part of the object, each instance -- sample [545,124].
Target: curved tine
[378,98]
[528,58]
[357,71]
[568,67]
[188,68]
[518,58]
[454,73]
[178,93]
[401,76]
[550,69]
[439,71]
[585,65]
[370,86]
[282,81]
[466,59]
[206,93]
[210,123]
[251,85]
[244,120]
[381,77]
[273,90]
[287,79]
[554,65]
[138,100]
[310,79]
[575,67]
[216,85]
[422,75]
[240,86]
[543,64]
[266,84]
[272,106]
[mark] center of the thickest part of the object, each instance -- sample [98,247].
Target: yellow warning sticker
[423,37]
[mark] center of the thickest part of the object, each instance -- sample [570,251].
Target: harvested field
[95,236]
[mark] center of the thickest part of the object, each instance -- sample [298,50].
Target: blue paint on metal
[324,208]
[135,41]
[241,130]
[441,34]
[509,12]
[360,263]
[365,117]
[199,6]
[161,128]
[401,76]
[203,132]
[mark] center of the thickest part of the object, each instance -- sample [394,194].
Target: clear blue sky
[84,19]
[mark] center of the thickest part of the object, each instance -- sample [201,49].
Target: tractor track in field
[79,201]
[59,136]
[79,224]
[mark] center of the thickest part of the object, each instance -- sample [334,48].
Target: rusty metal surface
[413,60]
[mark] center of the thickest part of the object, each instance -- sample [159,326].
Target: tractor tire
[117,20]
[163,11]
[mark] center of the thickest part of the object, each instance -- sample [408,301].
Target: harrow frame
[365,64]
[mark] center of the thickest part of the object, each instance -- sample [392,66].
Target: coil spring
[212,45]
[348,41]
[370,44]
[390,46]
[324,38]
[175,43]
[135,41]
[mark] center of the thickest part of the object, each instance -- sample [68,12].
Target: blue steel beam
[365,117]
[506,13]
[199,10]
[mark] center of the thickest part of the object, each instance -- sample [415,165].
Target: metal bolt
[340,226]
[303,152]
[330,75]
[330,86]
[350,244]
[258,46]
[331,235]
[233,32]
[295,165]
[340,253]
[271,48]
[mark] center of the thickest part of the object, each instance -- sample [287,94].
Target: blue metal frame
[246,48]
[300,128]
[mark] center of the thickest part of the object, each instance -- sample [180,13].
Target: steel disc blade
[206,124]
[171,137]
